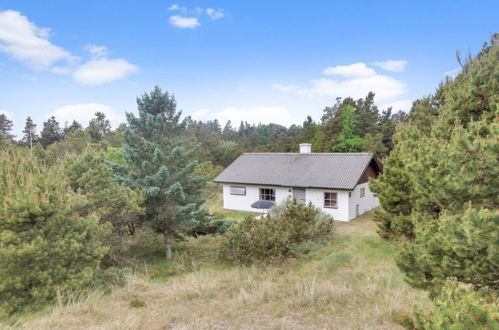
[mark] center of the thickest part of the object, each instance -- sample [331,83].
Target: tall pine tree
[6,127]
[163,167]
[51,132]
[30,137]
[439,186]
[99,127]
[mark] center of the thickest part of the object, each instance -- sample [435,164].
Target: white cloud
[391,65]
[177,7]
[24,41]
[62,69]
[404,105]
[103,70]
[285,88]
[256,115]
[350,71]
[354,80]
[97,51]
[201,114]
[214,14]
[385,87]
[183,22]
[84,112]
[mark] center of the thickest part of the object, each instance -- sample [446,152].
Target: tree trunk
[168,245]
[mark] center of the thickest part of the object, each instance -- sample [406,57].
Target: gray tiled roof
[314,170]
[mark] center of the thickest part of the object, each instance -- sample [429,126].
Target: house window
[267,194]
[362,192]
[235,190]
[331,200]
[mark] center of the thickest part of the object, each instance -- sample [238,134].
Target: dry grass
[351,284]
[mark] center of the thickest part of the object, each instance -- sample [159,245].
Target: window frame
[267,193]
[236,194]
[327,201]
[362,192]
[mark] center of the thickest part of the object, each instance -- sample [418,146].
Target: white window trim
[259,193]
[324,200]
[240,187]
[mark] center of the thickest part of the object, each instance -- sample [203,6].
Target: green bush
[46,247]
[89,175]
[276,235]
[461,246]
[208,226]
[458,306]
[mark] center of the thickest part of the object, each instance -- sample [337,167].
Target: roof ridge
[312,153]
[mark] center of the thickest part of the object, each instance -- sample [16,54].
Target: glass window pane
[235,190]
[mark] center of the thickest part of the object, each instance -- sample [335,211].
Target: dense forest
[73,198]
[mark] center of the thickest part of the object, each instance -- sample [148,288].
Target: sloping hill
[351,284]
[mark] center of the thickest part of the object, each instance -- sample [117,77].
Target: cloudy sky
[259,61]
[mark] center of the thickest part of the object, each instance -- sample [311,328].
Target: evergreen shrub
[276,235]
[46,247]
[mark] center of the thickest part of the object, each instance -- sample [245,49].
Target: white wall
[243,202]
[344,212]
[366,203]
[316,196]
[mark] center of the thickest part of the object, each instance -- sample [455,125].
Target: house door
[357,211]
[299,195]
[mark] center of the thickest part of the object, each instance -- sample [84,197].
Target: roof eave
[279,185]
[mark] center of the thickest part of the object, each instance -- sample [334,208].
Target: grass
[352,283]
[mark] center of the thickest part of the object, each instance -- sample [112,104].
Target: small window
[362,192]
[330,200]
[235,190]
[267,194]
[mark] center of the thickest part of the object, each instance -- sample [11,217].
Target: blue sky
[258,61]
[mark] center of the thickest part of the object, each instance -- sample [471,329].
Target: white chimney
[305,148]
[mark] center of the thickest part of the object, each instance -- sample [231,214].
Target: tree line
[347,125]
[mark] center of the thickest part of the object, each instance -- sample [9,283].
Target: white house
[335,182]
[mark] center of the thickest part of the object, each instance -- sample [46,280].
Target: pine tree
[30,137]
[462,246]
[228,133]
[394,190]
[99,127]
[6,127]
[374,144]
[366,116]
[47,248]
[308,131]
[439,186]
[161,166]
[51,132]
[74,127]
[116,204]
